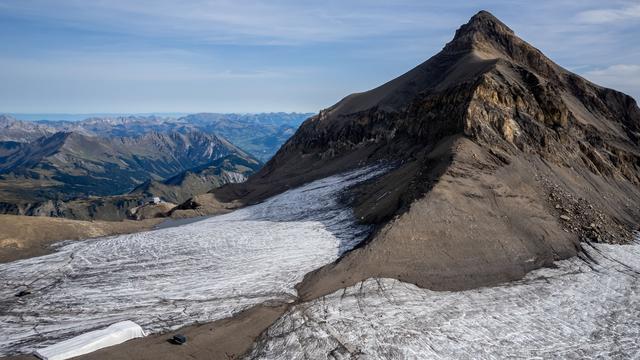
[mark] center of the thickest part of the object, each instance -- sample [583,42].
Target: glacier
[586,307]
[170,277]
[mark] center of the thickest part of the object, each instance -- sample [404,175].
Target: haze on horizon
[169,56]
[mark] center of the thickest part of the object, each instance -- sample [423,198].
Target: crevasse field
[167,278]
[583,309]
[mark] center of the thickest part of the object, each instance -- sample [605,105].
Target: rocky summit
[503,162]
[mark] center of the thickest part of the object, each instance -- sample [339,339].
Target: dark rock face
[488,136]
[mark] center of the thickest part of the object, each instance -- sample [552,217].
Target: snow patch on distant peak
[233,177]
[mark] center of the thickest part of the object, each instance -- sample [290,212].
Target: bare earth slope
[27,236]
[504,162]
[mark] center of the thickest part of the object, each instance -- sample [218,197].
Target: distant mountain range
[69,164]
[259,134]
[228,169]
[130,158]
[80,117]
[21,131]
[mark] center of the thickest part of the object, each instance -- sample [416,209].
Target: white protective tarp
[92,341]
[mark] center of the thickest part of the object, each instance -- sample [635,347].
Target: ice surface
[170,277]
[578,310]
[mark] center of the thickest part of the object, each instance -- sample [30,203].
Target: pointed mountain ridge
[491,142]
[489,38]
[484,79]
[517,97]
[477,48]
[480,28]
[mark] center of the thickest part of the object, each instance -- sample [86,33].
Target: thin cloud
[278,54]
[603,16]
[128,67]
[228,22]
[624,77]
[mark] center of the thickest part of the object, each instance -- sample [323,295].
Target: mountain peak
[486,23]
[481,31]
[483,16]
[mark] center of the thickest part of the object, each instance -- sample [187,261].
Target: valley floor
[23,237]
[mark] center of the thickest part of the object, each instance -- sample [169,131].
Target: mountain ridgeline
[76,165]
[100,167]
[198,180]
[502,162]
[259,134]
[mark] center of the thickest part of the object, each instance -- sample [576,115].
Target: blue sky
[116,56]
